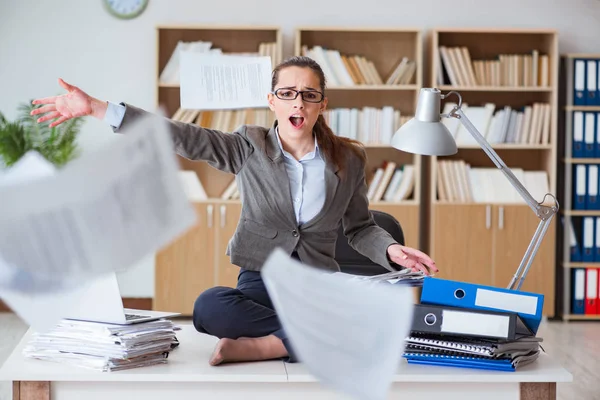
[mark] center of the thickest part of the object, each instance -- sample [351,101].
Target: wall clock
[125,9]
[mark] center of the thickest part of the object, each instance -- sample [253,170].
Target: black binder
[455,321]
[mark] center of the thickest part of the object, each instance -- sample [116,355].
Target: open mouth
[297,122]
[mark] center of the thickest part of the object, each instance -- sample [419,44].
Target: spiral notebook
[464,346]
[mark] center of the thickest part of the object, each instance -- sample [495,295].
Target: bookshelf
[580,111]
[479,226]
[373,80]
[263,40]
[197,260]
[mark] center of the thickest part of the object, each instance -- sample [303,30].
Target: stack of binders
[460,324]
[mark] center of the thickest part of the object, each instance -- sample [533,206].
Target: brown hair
[330,144]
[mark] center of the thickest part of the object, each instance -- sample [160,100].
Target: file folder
[579,198]
[591,85]
[578,134]
[574,244]
[481,297]
[591,291]
[588,239]
[598,83]
[461,322]
[579,84]
[589,135]
[597,120]
[578,291]
[592,200]
[597,240]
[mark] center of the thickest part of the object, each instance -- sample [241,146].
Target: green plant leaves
[58,144]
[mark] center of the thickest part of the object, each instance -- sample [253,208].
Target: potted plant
[58,145]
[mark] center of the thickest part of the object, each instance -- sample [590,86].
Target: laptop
[102,303]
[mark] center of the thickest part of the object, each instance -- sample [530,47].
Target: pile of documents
[405,277]
[470,352]
[466,325]
[104,347]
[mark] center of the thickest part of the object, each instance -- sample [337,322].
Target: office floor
[575,344]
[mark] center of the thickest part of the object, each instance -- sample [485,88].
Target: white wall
[115,60]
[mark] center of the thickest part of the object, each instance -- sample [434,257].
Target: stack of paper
[405,277]
[104,347]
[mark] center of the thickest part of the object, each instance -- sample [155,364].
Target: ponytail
[333,146]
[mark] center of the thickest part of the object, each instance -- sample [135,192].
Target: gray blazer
[267,219]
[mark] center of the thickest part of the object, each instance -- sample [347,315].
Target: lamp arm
[543,212]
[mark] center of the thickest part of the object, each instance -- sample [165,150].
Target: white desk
[189,376]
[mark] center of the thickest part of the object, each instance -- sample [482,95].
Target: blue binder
[578,132]
[575,246]
[460,361]
[579,82]
[579,187]
[473,296]
[578,291]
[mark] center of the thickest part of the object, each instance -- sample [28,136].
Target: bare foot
[248,349]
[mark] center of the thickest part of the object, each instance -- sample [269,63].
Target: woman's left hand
[411,258]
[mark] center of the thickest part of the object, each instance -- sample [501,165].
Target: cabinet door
[186,267]
[407,216]
[226,274]
[514,228]
[462,242]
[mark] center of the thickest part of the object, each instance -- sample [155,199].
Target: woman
[298,181]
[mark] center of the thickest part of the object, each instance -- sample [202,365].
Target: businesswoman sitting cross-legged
[297,182]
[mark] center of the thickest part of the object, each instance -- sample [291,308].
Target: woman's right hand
[75,103]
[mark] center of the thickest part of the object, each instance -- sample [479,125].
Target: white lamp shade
[425,134]
[425,138]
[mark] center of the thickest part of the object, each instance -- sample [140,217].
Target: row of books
[391,182]
[458,182]
[170,73]
[350,70]
[529,125]
[226,120]
[104,347]
[369,125]
[514,70]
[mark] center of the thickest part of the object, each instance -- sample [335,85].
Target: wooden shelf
[581,213]
[512,146]
[581,265]
[230,39]
[483,242]
[581,108]
[329,88]
[571,218]
[375,87]
[495,88]
[582,160]
[385,48]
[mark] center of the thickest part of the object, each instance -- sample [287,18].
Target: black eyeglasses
[311,96]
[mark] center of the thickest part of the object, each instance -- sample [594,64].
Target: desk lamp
[425,134]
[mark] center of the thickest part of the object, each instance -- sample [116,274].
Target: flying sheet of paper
[349,333]
[102,212]
[212,81]
[38,301]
